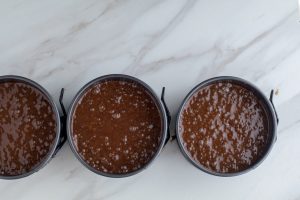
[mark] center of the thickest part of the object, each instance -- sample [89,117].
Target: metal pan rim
[48,157]
[82,92]
[254,88]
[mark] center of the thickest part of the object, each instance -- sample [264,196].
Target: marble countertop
[171,43]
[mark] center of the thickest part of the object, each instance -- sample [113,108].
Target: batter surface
[27,128]
[224,127]
[117,127]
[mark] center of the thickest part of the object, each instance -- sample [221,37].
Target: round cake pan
[267,104]
[165,116]
[60,121]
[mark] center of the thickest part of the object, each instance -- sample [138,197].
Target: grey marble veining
[171,43]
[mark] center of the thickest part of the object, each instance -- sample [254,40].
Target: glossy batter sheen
[224,127]
[117,127]
[27,128]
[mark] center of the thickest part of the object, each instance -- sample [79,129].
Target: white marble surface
[172,43]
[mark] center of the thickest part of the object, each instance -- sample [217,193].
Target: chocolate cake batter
[117,127]
[224,127]
[27,128]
